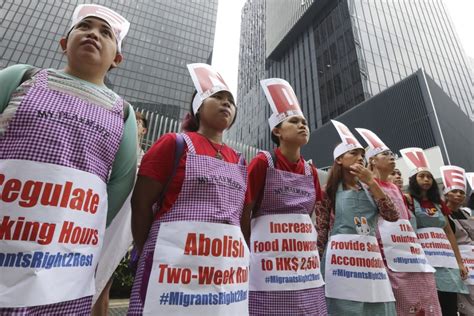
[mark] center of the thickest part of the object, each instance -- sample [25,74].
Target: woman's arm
[323,215]
[245,221]
[146,193]
[454,244]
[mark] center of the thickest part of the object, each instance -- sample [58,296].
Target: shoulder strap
[177,157]
[369,195]
[29,74]
[126,110]
[274,157]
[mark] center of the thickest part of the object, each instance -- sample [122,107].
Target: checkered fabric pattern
[54,127]
[299,302]
[81,306]
[61,137]
[220,200]
[415,292]
[285,203]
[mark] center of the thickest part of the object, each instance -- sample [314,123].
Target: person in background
[462,225]
[432,224]
[396,178]
[142,125]
[63,133]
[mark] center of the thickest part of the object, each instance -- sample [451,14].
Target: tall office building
[338,53]
[164,36]
[251,102]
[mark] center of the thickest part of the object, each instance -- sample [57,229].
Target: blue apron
[351,206]
[447,280]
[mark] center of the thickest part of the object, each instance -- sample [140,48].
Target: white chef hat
[118,23]
[207,82]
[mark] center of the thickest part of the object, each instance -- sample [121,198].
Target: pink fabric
[299,302]
[70,132]
[196,202]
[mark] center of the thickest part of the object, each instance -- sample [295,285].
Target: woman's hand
[464,271]
[362,173]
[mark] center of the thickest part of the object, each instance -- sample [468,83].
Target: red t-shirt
[158,162]
[426,204]
[257,174]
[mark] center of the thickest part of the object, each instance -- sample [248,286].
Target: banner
[52,220]
[284,253]
[437,247]
[198,269]
[467,254]
[402,250]
[355,270]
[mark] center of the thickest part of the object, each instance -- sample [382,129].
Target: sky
[226,42]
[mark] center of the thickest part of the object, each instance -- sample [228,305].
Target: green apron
[352,204]
[447,280]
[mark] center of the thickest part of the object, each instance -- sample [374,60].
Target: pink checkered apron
[415,292]
[210,203]
[298,302]
[67,135]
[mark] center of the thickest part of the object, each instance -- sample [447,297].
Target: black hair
[415,190]
[275,138]
[191,120]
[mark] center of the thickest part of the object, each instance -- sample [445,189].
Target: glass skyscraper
[338,53]
[164,36]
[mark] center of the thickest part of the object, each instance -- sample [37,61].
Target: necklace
[218,151]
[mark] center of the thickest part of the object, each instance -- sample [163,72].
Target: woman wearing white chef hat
[434,233]
[412,280]
[351,207]
[281,195]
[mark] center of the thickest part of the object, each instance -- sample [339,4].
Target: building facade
[429,118]
[338,53]
[164,36]
[252,107]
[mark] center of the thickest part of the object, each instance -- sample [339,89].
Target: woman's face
[384,161]
[424,180]
[397,178]
[293,130]
[456,196]
[352,157]
[218,111]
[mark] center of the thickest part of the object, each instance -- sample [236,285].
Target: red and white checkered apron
[210,203]
[54,127]
[415,292]
[298,302]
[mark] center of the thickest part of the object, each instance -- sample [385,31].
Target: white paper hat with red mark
[470,180]
[416,160]
[376,145]
[207,82]
[453,178]
[282,99]
[349,142]
[118,23]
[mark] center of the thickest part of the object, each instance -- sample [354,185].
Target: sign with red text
[355,270]
[284,253]
[437,247]
[403,253]
[198,269]
[52,220]
[467,255]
